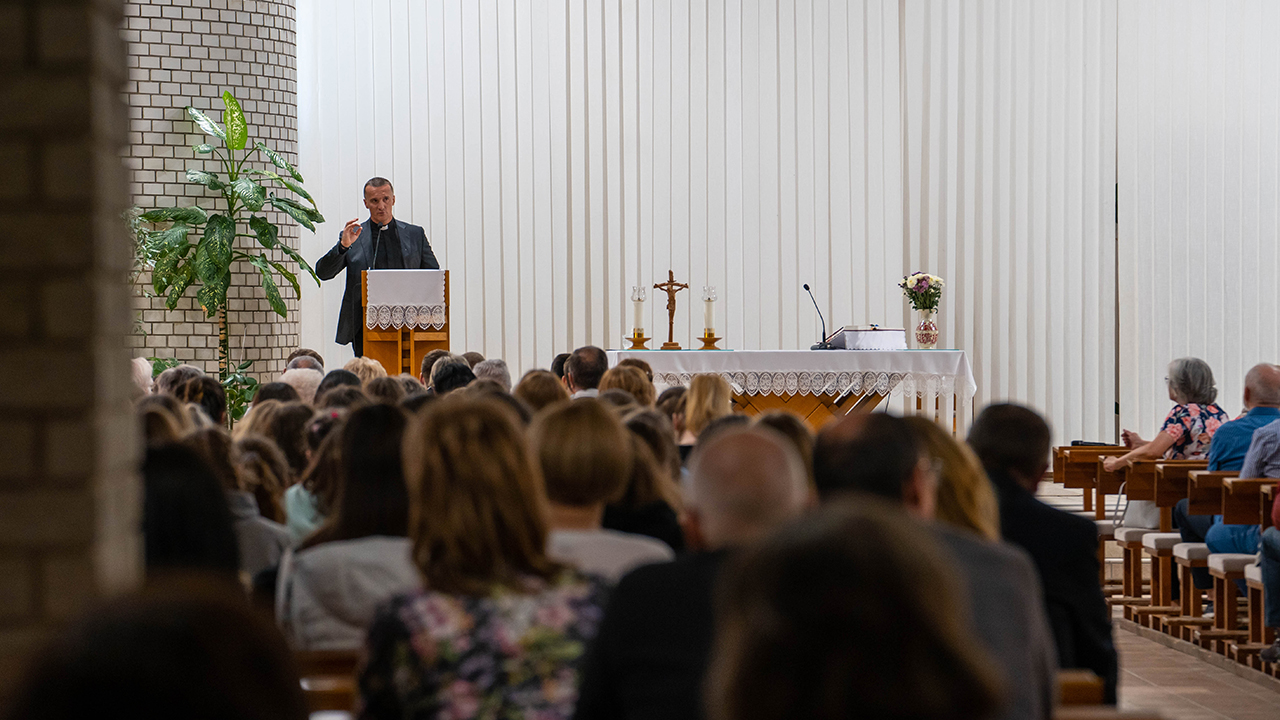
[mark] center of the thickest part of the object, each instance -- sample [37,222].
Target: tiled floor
[1180,687]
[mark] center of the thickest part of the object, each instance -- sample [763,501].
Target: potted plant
[191,246]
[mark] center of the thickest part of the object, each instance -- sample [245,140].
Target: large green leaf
[207,125]
[181,281]
[293,210]
[266,233]
[162,273]
[173,239]
[233,118]
[190,215]
[250,192]
[302,262]
[213,256]
[269,285]
[213,296]
[293,279]
[312,214]
[279,161]
[206,179]
[294,186]
[202,149]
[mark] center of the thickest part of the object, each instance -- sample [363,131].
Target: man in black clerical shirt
[381,242]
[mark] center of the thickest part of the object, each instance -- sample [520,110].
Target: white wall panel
[560,151]
[1009,176]
[1199,194]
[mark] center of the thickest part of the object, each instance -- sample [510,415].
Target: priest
[379,243]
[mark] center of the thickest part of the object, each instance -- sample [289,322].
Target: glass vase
[926,329]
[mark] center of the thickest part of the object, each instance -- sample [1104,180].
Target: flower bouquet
[924,292]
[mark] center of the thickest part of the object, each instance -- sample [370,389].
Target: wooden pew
[1079,468]
[1172,484]
[328,678]
[1079,687]
[1243,502]
[1204,491]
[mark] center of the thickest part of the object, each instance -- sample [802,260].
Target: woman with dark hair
[330,587]
[187,648]
[164,420]
[850,612]
[500,629]
[261,540]
[651,503]
[385,389]
[285,425]
[186,524]
[206,393]
[307,501]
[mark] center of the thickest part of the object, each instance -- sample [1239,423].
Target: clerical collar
[388,226]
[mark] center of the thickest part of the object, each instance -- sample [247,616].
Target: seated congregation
[577,545]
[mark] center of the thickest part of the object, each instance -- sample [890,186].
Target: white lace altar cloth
[405,298]
[927,375]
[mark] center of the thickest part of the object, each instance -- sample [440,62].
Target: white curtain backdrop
[559,152]
[1010,195]
[1199,173]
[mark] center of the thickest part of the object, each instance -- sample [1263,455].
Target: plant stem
[224,346]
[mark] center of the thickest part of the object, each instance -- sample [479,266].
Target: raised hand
[350,233]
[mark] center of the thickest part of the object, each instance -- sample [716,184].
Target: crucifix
[671,287]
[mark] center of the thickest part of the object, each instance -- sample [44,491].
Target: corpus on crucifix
[671,287]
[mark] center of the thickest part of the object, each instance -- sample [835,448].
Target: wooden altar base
[817,410]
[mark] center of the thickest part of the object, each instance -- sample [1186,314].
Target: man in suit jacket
[653,645]
[381,242]
[877,454]
[1013,444]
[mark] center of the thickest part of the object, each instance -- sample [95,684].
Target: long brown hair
[477,504]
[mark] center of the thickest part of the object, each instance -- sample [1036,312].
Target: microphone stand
[822,343]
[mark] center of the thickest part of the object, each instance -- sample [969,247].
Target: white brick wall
[187,52]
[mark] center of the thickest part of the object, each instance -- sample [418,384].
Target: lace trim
[400,316]
[790,382]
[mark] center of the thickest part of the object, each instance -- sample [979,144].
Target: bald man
[654,642]
[1227,451]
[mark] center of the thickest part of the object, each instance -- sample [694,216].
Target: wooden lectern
[401,349]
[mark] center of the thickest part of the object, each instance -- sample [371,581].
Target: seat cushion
[1133,535]
[1230,563]
[1191,551]
[1106,528]
[1161,541]
[1253,572]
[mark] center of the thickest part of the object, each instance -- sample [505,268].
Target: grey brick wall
[187,52]
[69,494]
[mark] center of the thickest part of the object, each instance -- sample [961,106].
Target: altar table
[937,383]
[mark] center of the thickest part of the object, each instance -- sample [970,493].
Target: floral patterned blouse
[1192,427]
[504,656]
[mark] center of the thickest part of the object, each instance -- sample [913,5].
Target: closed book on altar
[869,337]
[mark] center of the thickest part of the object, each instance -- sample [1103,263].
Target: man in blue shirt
[1227,452]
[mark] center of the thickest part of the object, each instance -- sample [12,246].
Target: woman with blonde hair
[365,368]
[966,498]
[631,379]
[499,626]
[708,399]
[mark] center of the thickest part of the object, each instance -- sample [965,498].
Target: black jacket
[414,248]
[649,657]
[1065,550]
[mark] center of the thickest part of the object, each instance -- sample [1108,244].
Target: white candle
[709,315]
[639,319]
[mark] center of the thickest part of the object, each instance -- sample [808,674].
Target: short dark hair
[335,378]
[185,647]
[557,365]
[587,365]
[1008,437]
[874,453]
[377,182]
[473,358]
[342,396]
[283,392]
[451,376]
[429,361]
[385,389]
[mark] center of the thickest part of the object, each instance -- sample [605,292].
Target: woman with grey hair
[1185,434]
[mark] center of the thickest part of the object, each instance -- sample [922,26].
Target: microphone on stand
[822,343]
[377,241]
